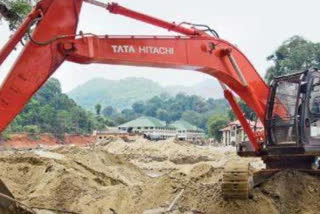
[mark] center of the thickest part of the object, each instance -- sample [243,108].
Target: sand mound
[66,179]
[142,177]
[293,192]
[286,192]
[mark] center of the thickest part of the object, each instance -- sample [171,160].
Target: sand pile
[69,179]
[178,153]
[120,178]
[286,192]
[168,155]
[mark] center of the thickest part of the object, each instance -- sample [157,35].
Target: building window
[232,133]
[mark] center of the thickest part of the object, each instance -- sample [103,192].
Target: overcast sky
[256,27]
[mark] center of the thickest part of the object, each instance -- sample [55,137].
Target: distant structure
[154,129]
[150,127]
[105,133]
[187,131]
[234,134]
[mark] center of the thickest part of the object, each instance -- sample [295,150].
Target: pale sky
[256,27]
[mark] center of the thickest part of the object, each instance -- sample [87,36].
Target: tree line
[51,111]
[191,108]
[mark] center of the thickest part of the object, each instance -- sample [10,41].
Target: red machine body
[54,40]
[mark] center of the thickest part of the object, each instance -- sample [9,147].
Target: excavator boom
[54,40]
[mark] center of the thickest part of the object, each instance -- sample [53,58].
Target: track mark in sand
[101,178]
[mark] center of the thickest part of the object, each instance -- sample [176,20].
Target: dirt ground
[140,176]
[21,140]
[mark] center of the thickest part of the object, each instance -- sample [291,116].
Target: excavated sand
[145,177]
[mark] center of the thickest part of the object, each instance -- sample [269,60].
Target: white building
[150,127]
[154,129]
[234,134]
[187,131]
[107,132]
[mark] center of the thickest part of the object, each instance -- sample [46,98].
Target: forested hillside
[193,109]
[117,93]
[51,111]
[121,94]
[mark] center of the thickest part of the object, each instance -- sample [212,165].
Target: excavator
[289,108]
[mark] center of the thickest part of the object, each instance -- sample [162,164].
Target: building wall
[105,134]
[233,136]
[163,132]
[189,135]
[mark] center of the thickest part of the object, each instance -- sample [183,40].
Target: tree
[138,107]
[295,54]
[53,112]
[14,11]
[7,13]
[194,118]
[108,111]
[162,114]
[251,115]
[100,123]
[32,130]
[109,122]
[129,114]
[215,123]
[119,119]
[4,136]
[98,109]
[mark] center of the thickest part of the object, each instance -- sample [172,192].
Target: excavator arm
[36,63]
[203,54]
[54,40]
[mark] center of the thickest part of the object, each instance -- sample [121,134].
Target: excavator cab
[292,137]
[299,131]
[288,93]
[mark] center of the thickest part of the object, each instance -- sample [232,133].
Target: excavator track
[237,180]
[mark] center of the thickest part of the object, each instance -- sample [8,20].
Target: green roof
[144,122]
[184,125]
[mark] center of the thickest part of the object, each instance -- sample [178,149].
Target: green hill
[117,93]
[121,94]
[51,111]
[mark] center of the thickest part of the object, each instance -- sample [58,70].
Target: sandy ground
[145,177]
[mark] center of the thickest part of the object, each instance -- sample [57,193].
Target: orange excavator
[289,108]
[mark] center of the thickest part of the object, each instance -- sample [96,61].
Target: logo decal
[142,49]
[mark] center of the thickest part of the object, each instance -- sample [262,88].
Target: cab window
[314,108]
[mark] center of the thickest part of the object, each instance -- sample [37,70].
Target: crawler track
[237,180]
